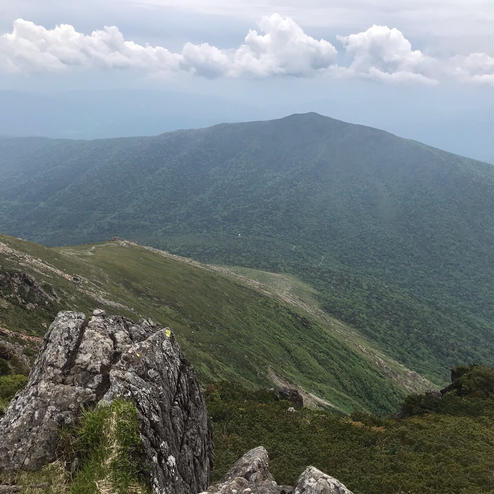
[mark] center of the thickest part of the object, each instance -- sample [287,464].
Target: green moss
[108,450]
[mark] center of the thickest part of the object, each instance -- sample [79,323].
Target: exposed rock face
[292,395]
[22,289]
[313,481]
[85,361]
[250,475]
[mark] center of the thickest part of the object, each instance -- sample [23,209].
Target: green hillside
[395,237]
[230,327]
[439,445]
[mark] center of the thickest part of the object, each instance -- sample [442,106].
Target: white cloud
[474,68]
[30,47]
[385,54]
[205,60]
[281,47]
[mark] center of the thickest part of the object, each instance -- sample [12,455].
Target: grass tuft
[110,450]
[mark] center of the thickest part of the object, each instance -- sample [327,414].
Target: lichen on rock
[84,363]
[250,475]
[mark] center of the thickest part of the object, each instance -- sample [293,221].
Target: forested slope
[396,237]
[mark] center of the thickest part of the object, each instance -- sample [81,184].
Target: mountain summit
[395,236]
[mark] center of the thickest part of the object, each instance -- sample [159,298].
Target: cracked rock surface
[250,475]
[313,481]
[86,361]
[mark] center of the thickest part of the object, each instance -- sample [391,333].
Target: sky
[422,69]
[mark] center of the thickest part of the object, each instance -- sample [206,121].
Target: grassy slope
[229,329]
[290,289]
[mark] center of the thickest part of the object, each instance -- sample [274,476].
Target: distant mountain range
[396,237]
[119,112]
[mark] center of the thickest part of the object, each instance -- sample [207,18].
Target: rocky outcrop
[22,289]
[250,475]
[313,481]
[291,394]
[85,362]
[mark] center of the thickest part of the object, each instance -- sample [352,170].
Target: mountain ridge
[395,236]
[229,329]
[247,122]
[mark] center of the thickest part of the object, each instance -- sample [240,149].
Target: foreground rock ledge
[84,362]
[250,475]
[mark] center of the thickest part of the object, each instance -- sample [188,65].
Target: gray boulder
[250,475]
[313,481]
[13,355]
[292,395]
[84,362]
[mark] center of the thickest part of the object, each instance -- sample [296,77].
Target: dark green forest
[397,237]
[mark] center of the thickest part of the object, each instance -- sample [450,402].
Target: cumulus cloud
[30,47]
[385,54]
[475,68]
[278,47]
[282,47]
[204,59]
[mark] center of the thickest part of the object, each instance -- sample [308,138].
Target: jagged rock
[313,481]
[84,362]
[292,395]
[22,289]
[253,466]
[250,475]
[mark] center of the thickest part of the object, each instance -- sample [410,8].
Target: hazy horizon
[421,70]
[100,114]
